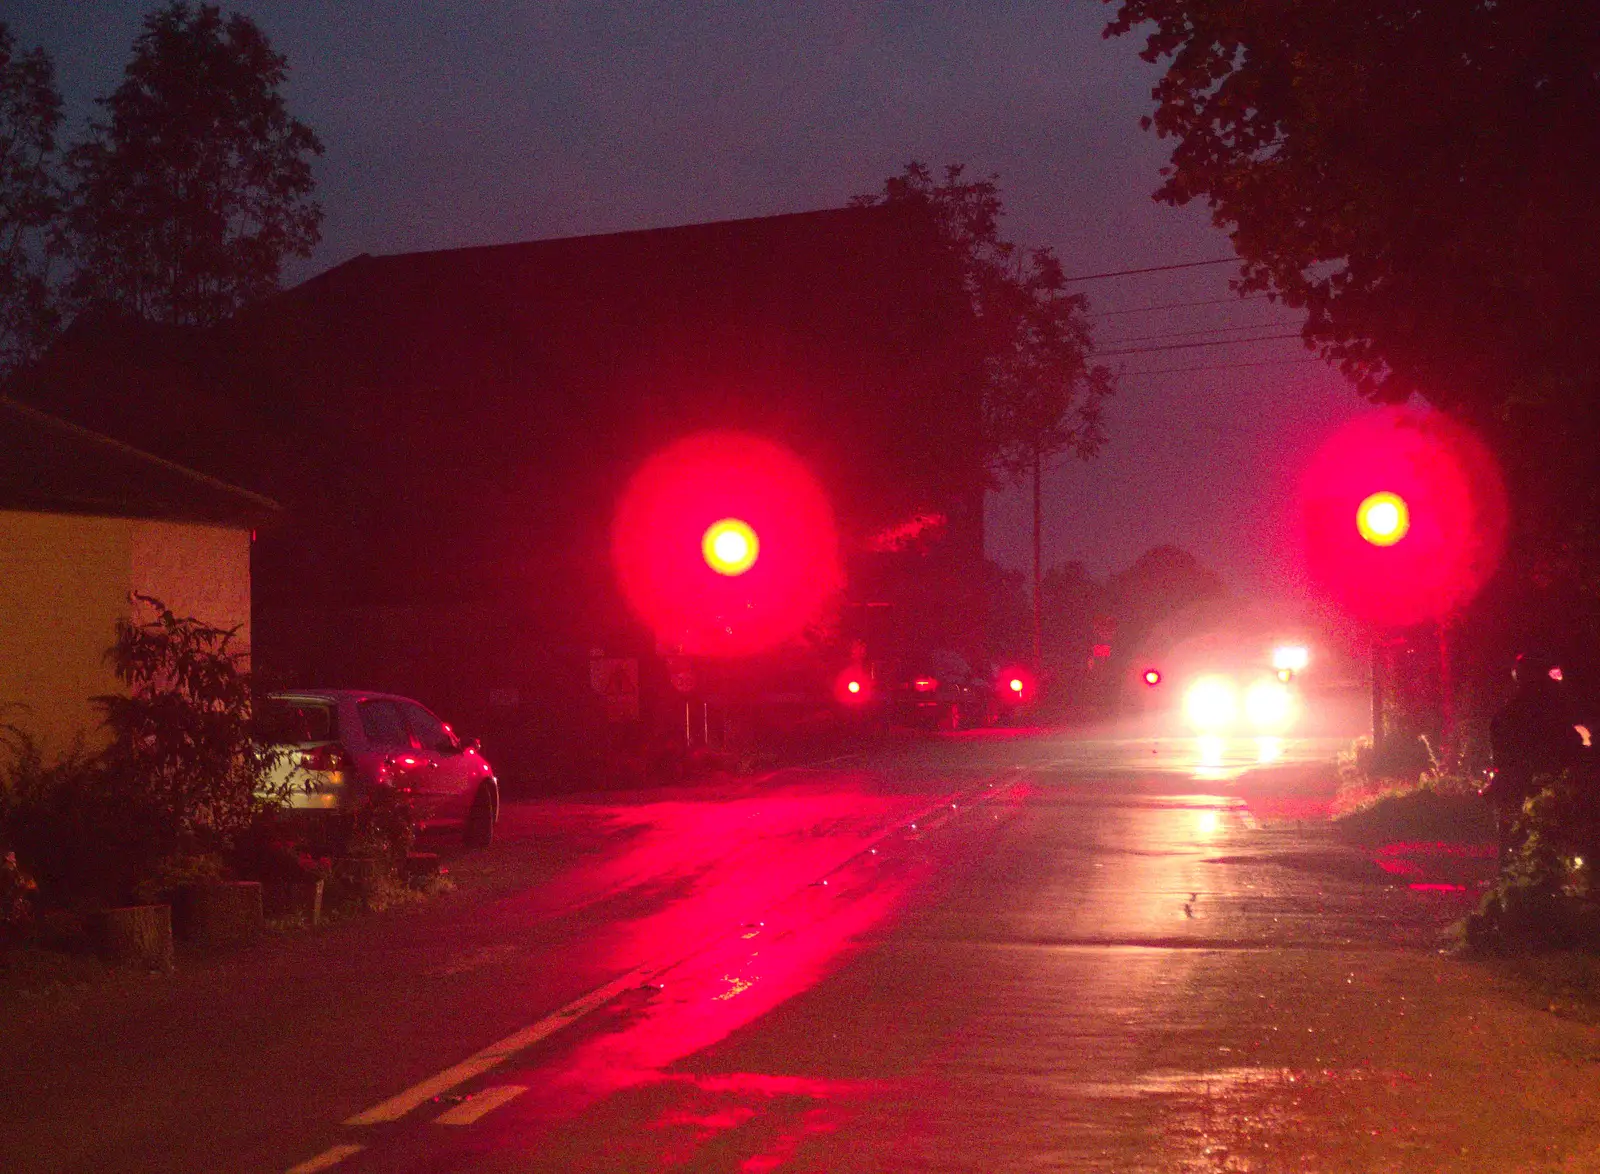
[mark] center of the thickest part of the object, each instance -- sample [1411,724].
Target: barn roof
[50,466]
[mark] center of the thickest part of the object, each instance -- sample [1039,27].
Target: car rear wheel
[479,832]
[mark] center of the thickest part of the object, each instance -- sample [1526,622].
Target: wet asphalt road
[998,952]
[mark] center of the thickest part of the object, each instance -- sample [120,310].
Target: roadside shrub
[16,897]
[383,827]
[183,738]
[1544,893]
[182,780]
[73,828]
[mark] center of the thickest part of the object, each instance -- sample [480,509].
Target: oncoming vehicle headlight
[1211,703]
[1268,705]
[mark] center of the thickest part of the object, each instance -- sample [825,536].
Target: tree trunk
[139,934]
[1447,693]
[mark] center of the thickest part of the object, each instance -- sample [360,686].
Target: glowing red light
[924,684]
[1101,651]
[724,545]
[853,687]
[730,547]
[1403,517]
[1016,684]
[1152,677]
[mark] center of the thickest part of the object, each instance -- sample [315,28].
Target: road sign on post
[616,680]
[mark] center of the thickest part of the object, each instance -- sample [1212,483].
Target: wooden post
[1377,695]
[140,934]
[1447,700]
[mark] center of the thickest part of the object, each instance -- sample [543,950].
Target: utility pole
[1377,694]
[1038,569]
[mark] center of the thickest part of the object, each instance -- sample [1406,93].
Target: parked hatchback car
[340,743]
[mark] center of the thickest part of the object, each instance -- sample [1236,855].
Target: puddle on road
[1225,1082]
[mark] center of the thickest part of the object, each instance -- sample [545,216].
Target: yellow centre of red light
[854,686]
[1016,684]
[1383,519]
[730,547]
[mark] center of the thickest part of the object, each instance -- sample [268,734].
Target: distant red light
[1101,651]
[1152,677]
[853,686]
[925,684]
[1016,684]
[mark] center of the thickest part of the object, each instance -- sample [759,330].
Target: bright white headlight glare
[1268,705]
[1211,703]
[1293,657]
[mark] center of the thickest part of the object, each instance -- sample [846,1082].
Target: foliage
[178,871]
[187,200]
[77,832]
[1444,808]
[17,888]
[30,199]
[383,827]
[1041,395]
[181,781]
[184,736]
[1544,894]
[1419,178]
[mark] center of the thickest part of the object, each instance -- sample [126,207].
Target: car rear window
[290,723]
[382,724]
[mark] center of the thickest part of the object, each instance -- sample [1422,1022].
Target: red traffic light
[853,685]
[1403,517]
[730,547]
[1015,685]
[1383,518]
[724,545]
[1152,677]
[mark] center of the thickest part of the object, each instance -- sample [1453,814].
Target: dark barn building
[449,433]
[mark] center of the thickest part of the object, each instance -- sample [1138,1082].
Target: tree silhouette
[30,114]
[1040,393]
[188,199]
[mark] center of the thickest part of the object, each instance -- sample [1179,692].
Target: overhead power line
[1184,346]
[1176,305]
[1152,269]
[1224,366]
[1193,333]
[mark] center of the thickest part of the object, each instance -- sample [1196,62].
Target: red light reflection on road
[701,1003]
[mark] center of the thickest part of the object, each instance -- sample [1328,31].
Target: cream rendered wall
[64,583]
[199,571]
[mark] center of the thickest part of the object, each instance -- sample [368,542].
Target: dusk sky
[449,125]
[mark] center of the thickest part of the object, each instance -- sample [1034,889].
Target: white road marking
[327,1159]
[497,1053]
[486,1101]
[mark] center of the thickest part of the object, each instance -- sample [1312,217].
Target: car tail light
[924,684]
[329,758]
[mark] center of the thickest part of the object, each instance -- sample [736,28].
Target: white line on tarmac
[327,1159]
[485,1102]
[497,1053]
